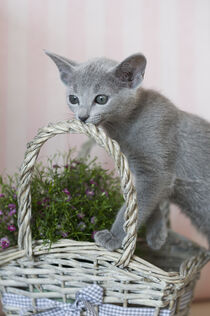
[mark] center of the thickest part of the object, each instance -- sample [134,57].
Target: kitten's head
[101,90]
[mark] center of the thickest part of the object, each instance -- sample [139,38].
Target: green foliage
[70,200]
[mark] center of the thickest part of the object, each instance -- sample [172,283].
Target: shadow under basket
[37,280]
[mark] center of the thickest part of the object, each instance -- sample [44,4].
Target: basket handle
[112,148]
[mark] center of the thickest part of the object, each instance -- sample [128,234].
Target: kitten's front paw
[107,240]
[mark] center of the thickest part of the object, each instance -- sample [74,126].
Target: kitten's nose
[83,118]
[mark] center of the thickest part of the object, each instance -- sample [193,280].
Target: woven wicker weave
[31,269]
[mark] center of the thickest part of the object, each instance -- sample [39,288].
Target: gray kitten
[168,150]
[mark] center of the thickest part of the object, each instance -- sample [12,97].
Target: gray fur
[168,149]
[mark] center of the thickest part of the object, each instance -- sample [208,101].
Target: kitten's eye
[73,99]
[101,99]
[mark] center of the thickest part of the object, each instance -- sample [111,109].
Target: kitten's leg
[156,227]
[112,239]
[149,195]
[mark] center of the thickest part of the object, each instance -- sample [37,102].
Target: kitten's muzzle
[83,118]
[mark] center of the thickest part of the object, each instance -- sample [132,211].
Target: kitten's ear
[65,66]
[131,70]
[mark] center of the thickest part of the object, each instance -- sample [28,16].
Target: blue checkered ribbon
[86,299]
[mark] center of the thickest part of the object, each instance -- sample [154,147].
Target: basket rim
[188,268]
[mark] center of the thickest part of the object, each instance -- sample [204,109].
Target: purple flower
[11,206]
[66,166]
[56,166]
[63,234]
[45,200]
[12,212]
[80,215]
[4,242]
[1,212]
[89,192]
[66,191]
[81,225]
[11,228]
[2,195]
[14,196]
[93,220]
[93,234]
[93,182]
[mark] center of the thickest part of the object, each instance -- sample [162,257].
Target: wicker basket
[36,272]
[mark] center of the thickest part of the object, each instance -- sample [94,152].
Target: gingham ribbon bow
[86,299]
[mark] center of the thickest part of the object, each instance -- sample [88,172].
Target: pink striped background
[174,36]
